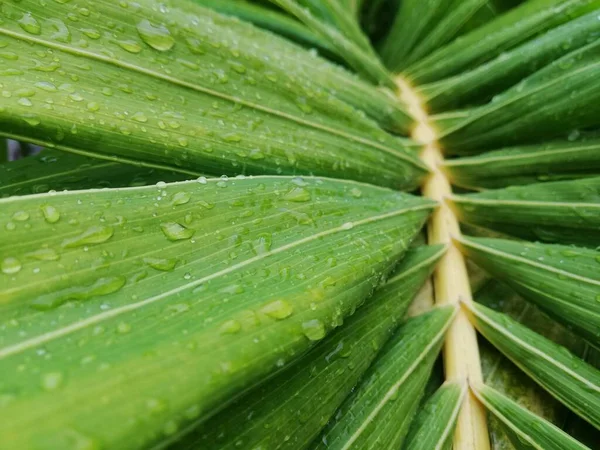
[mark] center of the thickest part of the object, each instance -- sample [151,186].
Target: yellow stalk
[450,281]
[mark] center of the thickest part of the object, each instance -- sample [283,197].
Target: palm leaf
[234,117]
[507,31]
[568,378]
[378,413]
[56,170]
[563,211]
[290,409]
[434,425]
[568,292]
[166,281]
[526,430]
[554,161]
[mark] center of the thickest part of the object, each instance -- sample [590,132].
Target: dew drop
[163,264]
[129,45]
[20,216]
[180,198]
[51,214]
[158,37]
[44,254]
[314,329]
[297,194]
[52,381]
[230,327]
[93,235]
[10,265]
[175,231]
[102,286]
[278,309]
[30,24]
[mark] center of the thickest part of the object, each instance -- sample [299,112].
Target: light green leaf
[269,19]
[364,61]
[562,96]
[554,161]
[196,96]
[525,429]
[379,411]
[501,374]
[56,170]
[520,24]
[423,26]
[568,378]
[483,81]
[563,281]
[433,427]
[163,303]
[566,212]
[288,411]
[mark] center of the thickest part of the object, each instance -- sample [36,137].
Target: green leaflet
[382,106]
[568,378]
[525,429]
[502,375]
[288,411]
[563,281]
[433,427]
[563,96]
[361,59]
[522,23]
[161,304]
[553,161]
[341,18]
[197,96]
[421,27]
[379,411]
[269,19]
[56,170]
[510,67]
[566,212]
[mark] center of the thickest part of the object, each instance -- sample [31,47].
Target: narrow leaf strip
[566,212]
[568,378]
[433,427]
[58,171]
[451,279]
[525,429]
[379,412]
[269,19]
[563,281]
[365,62]
[554,161]
[562,96]
[520,24]
[481,82]
[164,303]
[288,411]
[194,96]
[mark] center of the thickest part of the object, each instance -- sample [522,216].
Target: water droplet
[202,180]
[10,265]
[156,36]
[130,45]
[230,327]
[51,214]
[163,264]
[356,193]
[180,198]
[156,406]
[279,309]
[20,216]
[175,231]
[314,329]
[139,117]
[52,381]
[262,244]
[102,286]
[43,254]
[123,328]
[30,24]
[61,32]
[93,235]
[297,194]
